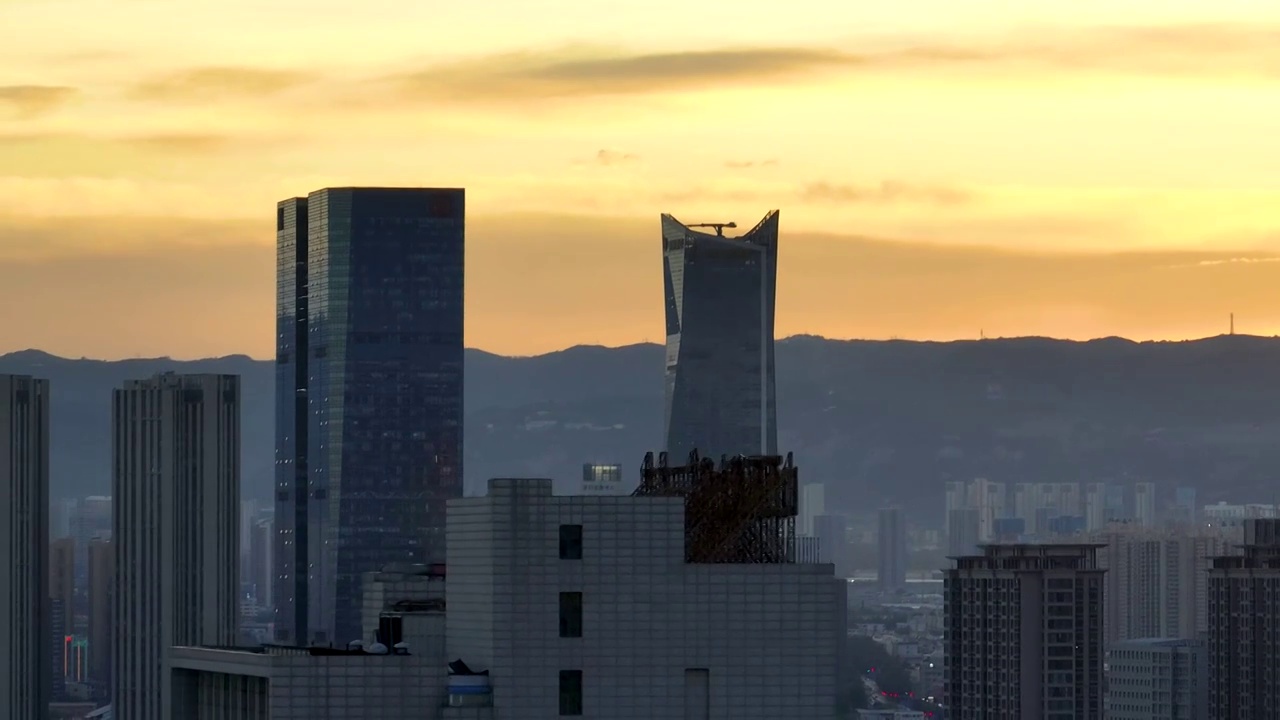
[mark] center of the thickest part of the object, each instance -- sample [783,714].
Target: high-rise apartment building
[57,674]
[1144,504]
[175,480]
[813,502]
[986,498]
[1244,612]
[102,572]
[1023,633]
[26,663]
[963,531]
[1026,501]
[1095,506]
[720,293]
[892,549]
[369,384]
[1039,504]
[62,580]
[259,558]
[832,532]
[1157,581]
[1157,679]
[62,599]
[1184,505]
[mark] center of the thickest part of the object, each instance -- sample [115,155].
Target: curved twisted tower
[720,295]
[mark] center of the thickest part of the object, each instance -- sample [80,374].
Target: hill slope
[878,421]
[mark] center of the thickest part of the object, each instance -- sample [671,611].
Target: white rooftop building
[585,606]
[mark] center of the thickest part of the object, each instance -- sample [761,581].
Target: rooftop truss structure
[743,511]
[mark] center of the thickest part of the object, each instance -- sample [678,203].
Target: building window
[570,614]
[390,630]
[570,542]
[570,693]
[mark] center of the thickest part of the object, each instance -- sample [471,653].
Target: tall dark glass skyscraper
[368,394]
[720,295]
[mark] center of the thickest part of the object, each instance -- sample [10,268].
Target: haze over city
[944,169]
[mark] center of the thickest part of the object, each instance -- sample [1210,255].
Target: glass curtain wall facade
[365,466]
[720,295]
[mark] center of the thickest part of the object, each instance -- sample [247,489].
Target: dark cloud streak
[1205,49]
[522,76]
[887,192]
[31,101]
[615,157]
[219,83]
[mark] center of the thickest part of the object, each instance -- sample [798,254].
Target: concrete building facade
[26,650]
[1023,633]
[1157,679]
[585,606]
[175,529]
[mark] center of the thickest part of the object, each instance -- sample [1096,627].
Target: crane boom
[719,227]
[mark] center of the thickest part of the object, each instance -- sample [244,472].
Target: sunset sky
[943,167]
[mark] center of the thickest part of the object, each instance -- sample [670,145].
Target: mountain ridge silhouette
[876,420]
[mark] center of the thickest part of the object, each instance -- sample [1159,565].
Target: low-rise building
[890,714]
[279,683]
[1157,679]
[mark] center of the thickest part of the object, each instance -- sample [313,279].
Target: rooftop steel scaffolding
[743,511]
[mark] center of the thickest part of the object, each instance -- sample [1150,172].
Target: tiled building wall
[767,636]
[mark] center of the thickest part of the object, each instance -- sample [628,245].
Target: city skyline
[925,154]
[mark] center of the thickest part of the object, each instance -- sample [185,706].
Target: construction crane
[718,226]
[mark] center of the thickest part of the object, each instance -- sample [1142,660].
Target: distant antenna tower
[1233,324]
